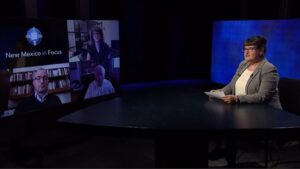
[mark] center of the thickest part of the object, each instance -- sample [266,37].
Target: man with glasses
[40,99]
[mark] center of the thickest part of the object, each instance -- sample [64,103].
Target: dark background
[160,39]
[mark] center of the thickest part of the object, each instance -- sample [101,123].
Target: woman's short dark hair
[258,41]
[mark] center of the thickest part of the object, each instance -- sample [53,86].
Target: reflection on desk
[180,108]
[184,117]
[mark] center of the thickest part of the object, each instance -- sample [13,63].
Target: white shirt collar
[40,98]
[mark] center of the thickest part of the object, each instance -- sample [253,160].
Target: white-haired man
[100,86]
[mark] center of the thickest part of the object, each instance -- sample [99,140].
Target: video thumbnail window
[94,56]
[46,63]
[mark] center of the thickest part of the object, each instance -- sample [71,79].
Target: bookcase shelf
[22,96]
[21,83]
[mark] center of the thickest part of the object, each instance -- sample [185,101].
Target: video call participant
[256,79]
[98,50]
[40,99]
[100,86]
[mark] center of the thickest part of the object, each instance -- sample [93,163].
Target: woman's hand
[230,99]
[209,97]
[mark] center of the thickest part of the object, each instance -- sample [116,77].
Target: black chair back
[289,94]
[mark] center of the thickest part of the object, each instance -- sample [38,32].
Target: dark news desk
[181,120]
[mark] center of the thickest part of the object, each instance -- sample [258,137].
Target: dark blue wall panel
[283,46]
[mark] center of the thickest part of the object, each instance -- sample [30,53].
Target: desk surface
[180,108]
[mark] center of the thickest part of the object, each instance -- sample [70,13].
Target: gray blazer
[262,86]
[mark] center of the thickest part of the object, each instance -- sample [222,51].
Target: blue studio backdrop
[283,46]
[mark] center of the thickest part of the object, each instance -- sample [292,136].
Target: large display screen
[57,61]
[283,39]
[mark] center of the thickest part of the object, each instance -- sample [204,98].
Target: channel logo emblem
[34,36]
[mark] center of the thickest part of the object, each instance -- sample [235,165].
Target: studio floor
[111,152]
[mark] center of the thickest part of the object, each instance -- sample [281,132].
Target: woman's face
[96,36]
[252,53]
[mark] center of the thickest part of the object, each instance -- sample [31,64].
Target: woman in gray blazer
[256,79]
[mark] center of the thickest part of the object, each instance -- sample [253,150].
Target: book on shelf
[57,72]
[21,90]
[22,76]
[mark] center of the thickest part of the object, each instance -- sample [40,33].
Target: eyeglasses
[39,78]
[249,49]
